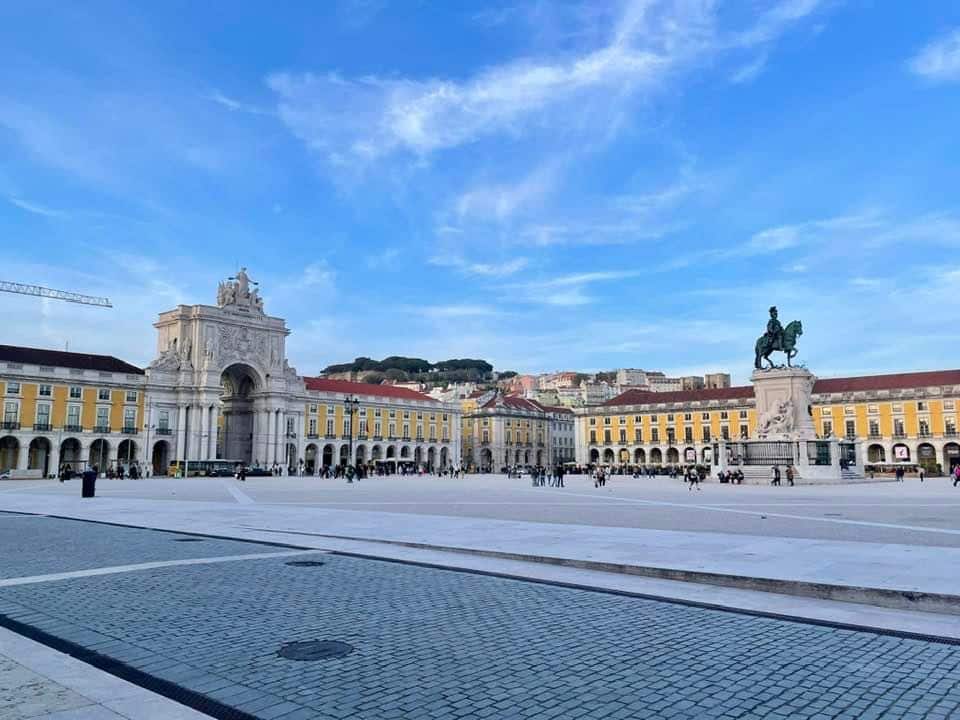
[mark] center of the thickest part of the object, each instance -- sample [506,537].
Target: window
[671,435]
[43,414]
[873,409]
[103,418]
[637,418]
[347,425]
[376,412]
[103,394]
[593,437]
[485,436]
[509,436]
[623,435]
[851,429]
[743,414]
[638,435]
[898,428]
[13,388]
[392,414]
[653,418]
[606,436]
[129,418]
[744,432]
[163,421]
[849,411]
[687,417]
[949,426]
[73,416]
[706,434]
[393,429]
[329,426]
[688,434]
[705,417]
[874,428]
[313,407]
[725,432]
[406,414]
[897,408]
[670,417]
[131,395]
[921,405]
[363,426]
[11,412]
[654,435]
[331,410]
[406,431]
[45,391]
[827,428]
[949,405]
[623,420]
[312,426]
[606,421]
[924,427]
[724,415]
[76,392]
[593,421]
[377,428]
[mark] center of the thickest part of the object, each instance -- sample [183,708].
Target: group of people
[776,475]
[734,477]
[117,472]
[543,477]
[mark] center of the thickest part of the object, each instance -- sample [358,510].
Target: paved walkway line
[50,685]
[758,513]
[238,495]
[114,569]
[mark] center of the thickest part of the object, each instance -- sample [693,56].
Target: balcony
[330,436]
[899,435]
[292,435]
[164,431]
[850,436]
[10,425]
[312,436]
[925,434]
[875,436]
[363,436]
[949,433]
[406,438]
[378,437]
[129,430]
[102,429]
[73,428]
[42,427]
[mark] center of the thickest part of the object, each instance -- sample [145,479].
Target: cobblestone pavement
[431,643]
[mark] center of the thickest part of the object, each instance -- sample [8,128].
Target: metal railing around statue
[762,452]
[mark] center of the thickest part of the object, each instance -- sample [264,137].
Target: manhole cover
[305,563]
[188,539]
[315,650]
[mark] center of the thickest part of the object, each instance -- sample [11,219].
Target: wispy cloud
[940,60]
[484,269]
[750,71]
[35,208]
[453,311]
[500,201]
[235,105]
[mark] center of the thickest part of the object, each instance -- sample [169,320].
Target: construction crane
[38,291]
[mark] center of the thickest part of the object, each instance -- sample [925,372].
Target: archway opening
[594,456]
[443,457]
[239,383]
[126,454]
[951,456]
[486,460]
[656,456]
[608,456]
[876,454]
[639,456]
[38,455]
[673,456]
[927,457]
[99,454]
[901,453]
[71,455]
[310,459]
[344,454]
[431,459]
[160,457]
[293,462]
[327,459]
[9,449]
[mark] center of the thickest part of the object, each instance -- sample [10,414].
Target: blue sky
[547,185]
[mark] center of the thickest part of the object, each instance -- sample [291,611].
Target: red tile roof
[59,358]
[896,381]
[348,387]
[646,397]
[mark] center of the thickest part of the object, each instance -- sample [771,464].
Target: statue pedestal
[783,397]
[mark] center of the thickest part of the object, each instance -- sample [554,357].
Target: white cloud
[499,202]
[453,311]
[370,117]
[502,269]
[35,208]
[940,60]
[236,105]
[750,71]
[775,21]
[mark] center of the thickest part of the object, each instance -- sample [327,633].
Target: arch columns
[181,432]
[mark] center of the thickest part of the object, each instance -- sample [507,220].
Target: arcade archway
[239,382]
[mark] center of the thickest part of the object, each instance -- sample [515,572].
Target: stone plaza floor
[197,606]
[207,617]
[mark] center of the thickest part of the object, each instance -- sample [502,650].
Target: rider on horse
[774,330]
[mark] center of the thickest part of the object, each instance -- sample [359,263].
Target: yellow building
[905,418]
[68,408]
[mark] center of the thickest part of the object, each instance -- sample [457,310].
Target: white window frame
[100,395]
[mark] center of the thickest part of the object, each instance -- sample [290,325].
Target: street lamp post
[350,405]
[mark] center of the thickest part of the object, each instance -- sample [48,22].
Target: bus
[203,468]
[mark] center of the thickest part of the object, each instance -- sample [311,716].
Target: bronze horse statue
[786,343]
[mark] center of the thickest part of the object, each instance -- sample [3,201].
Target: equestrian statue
[777,338]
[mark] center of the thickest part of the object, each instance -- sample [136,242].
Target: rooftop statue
[236,291]
[777,338]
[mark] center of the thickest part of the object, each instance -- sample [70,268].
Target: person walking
[921,472]
[243,473]
[956,474]
[790,474]
[899,474]
[775,479]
